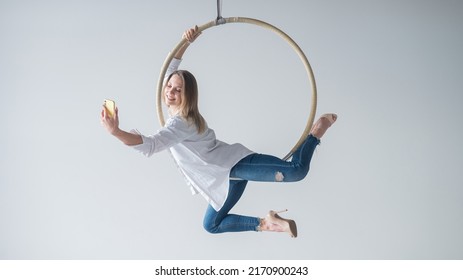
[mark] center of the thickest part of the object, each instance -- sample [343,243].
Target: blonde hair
[189,106]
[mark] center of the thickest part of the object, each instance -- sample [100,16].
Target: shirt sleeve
[173,66]
[174,132]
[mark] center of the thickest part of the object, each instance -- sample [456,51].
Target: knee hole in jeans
[279,177]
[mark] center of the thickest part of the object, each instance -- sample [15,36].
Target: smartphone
[110,106]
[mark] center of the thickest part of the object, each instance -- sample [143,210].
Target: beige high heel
[288,225]
[331,117]
[319,128]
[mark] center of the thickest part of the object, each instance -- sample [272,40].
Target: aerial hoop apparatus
[263,24]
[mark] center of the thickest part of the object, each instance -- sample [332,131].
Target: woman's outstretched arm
[112,125]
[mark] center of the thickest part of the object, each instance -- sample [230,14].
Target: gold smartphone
[110,106]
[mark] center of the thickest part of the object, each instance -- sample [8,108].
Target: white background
[386,183]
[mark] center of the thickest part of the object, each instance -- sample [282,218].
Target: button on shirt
[204,161]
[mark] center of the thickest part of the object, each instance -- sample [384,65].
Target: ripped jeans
[263,168]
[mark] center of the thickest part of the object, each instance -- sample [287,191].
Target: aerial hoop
[263,24]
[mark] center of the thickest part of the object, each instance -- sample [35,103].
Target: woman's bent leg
[267,168]
[220,221]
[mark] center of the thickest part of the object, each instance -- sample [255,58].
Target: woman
[217,170]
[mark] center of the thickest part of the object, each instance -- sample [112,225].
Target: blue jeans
[263,168]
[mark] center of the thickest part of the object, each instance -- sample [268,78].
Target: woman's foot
[273,222]
[322,125]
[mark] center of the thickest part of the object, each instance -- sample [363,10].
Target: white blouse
[204,161]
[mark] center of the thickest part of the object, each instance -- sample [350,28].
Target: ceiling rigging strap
[220,19]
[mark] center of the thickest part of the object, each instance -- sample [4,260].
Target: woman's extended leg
[267,168]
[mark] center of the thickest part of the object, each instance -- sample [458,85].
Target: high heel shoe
[331,117]
[288,226]
[320,127]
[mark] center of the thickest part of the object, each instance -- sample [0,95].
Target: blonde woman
[217,170]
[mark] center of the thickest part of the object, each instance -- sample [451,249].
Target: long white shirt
[204,161]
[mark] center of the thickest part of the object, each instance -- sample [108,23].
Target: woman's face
[173,91]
